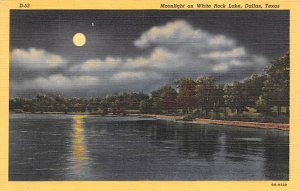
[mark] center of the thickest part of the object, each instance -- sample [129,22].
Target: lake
[70,147]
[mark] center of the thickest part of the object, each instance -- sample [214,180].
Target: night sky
[138,50]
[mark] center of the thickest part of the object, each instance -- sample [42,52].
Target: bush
[274,119]
[188,117]
[258,118]
[216,116]
[261,106]
[198,113]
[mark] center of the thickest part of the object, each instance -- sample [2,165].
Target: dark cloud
[127,59]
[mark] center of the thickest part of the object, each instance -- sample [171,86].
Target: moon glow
[79,39]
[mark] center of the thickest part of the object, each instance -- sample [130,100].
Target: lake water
[66,147]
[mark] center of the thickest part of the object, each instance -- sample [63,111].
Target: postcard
[149,95]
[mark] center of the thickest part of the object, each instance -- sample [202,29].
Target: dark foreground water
[66,147]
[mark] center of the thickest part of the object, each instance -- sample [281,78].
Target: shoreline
[245,124]
[259,125]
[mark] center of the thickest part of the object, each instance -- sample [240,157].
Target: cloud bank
[36,59]
[175,49]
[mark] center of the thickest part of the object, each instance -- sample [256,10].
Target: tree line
[263,97]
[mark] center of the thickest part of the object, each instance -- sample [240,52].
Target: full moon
[79,39]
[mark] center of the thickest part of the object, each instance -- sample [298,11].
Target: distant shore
[280,126]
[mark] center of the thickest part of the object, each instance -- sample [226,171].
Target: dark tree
[164,99]
[209,94]
[187,94]
[277,83]
[236,96]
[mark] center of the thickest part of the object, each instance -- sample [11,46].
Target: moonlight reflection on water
[66,147]
[78,147]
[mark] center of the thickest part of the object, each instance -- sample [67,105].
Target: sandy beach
[223,122]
